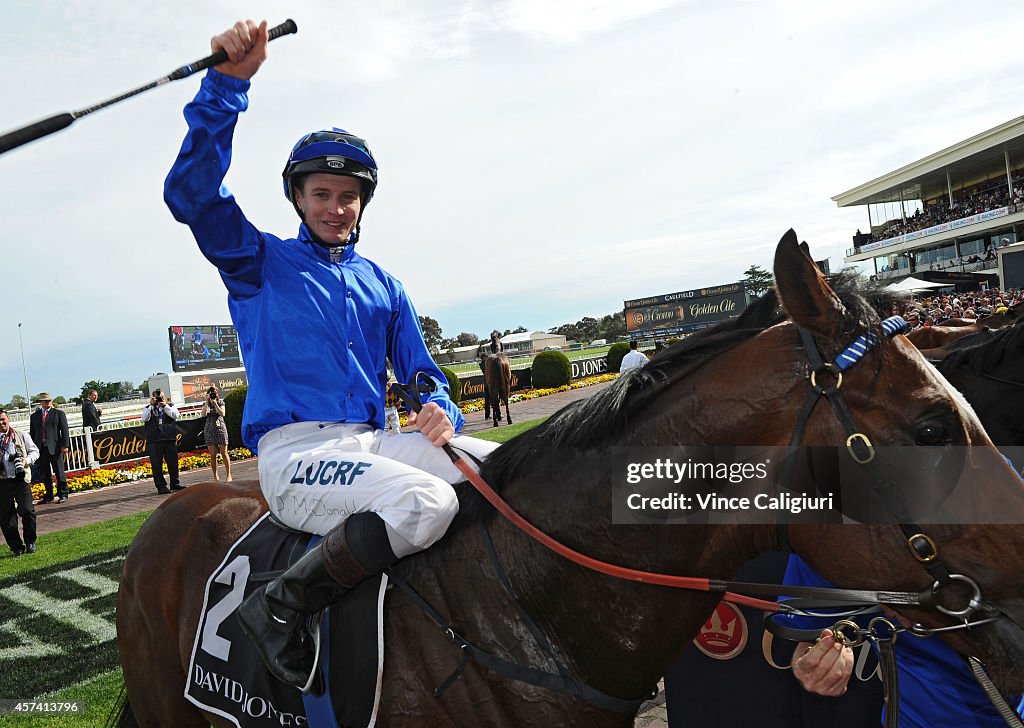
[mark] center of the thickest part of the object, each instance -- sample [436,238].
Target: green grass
[506,433]
[74,543]
[100,693]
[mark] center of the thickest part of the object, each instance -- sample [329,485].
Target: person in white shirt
[633,360]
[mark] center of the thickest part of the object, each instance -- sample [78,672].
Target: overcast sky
[541,160]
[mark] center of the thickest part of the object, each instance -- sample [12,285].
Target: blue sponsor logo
[331,472]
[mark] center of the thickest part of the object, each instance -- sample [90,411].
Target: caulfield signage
[129,443]
[684,310]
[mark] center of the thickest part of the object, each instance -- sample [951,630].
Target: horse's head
[904,443]
[933,468]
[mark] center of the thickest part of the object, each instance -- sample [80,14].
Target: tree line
[610,326]
[587,329]
[106,391]
[756,280]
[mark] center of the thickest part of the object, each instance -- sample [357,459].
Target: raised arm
[194,189]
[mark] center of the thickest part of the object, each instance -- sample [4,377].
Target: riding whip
[44,127]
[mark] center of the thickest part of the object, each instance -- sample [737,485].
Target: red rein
[620,572]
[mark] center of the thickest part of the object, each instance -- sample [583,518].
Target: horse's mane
[602,418]
[984,350]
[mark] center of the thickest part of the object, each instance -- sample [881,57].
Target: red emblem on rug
[724,635]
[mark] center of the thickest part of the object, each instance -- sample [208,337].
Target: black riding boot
[278,617]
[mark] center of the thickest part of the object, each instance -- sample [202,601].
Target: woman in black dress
[215,431]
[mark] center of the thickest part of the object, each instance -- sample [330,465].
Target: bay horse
[988,369]
[937,339]
[498,379]
[736,384]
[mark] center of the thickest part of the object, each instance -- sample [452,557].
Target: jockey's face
[330,206]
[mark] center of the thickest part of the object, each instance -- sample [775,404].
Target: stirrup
[314,672]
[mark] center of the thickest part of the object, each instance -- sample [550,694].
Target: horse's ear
[803,290]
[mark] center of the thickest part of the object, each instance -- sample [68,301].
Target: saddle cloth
[226,675]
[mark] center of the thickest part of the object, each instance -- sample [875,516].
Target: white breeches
[315,475]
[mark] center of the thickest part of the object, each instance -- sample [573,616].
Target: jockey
[316,323]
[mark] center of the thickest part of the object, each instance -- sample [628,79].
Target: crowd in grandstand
[990,196]
[933,310]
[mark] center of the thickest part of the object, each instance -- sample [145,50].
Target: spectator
[315,407]
[90,412]
[48,427]
[633,359]
[17,453]
[215,432]
[161,420]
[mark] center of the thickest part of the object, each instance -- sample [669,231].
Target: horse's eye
[931,435]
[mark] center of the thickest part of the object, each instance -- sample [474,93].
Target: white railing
[80,454]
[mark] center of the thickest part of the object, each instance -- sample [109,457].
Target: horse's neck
[616,635]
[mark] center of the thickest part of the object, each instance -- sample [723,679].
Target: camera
[19,465]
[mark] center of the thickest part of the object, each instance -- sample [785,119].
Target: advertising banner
[194,386]
[473,385]
[685,310]
[129,443]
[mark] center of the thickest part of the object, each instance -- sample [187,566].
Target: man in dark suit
[48,428]
[90,413]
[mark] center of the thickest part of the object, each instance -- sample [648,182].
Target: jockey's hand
[433,423]
[246,46]
[825,667]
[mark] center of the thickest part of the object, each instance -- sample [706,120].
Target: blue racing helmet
[331,151]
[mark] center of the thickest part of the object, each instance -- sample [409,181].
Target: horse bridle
[880,630]
[922,548]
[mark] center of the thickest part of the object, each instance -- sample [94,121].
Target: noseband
[922,548]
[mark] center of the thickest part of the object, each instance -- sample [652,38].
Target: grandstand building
[953,217]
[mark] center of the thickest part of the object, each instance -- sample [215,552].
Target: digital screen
[203,347]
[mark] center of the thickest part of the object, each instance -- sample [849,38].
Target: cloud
[540,161]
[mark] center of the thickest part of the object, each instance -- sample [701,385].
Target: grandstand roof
[968,162]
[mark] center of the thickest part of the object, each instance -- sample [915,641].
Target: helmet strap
[352,240]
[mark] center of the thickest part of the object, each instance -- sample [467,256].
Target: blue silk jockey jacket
[313,331]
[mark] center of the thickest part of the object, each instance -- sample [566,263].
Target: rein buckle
[859,438]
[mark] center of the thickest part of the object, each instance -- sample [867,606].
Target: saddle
[226,675]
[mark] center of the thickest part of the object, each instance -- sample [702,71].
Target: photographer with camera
[215,432]
[17,453]
[161,417]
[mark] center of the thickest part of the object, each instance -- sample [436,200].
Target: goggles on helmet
[332,151]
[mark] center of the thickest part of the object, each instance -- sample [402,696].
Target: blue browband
[853,353]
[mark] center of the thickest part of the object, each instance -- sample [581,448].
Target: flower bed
[133,470]
[141,469]
[476,405]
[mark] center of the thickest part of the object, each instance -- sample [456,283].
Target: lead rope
[890,685]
